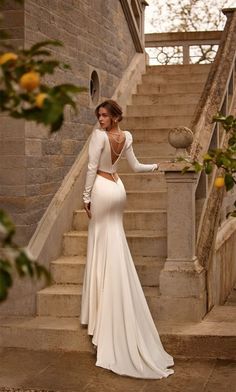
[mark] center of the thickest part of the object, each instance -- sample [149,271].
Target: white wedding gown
[113,303]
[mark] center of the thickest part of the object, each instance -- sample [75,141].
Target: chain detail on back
[114,143]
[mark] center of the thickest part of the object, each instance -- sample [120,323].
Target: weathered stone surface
[33,147]
[26,369]
[88,32]
[12,147]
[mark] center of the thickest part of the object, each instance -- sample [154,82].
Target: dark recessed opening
[94,87]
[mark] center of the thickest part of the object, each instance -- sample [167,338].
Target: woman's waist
[113,175]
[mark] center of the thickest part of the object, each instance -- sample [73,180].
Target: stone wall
[33,163]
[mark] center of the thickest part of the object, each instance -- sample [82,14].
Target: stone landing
[213,337]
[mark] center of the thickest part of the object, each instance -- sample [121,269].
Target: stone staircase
[166,98]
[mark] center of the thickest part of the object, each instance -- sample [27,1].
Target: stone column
[183,280]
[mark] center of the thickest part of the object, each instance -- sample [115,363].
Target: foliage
[13,258]
[21,74]
[221,158]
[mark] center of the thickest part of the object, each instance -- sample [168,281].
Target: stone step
[70,270]
[44,333]
[213,337]
[153,181]
[151,149]
[157,122]
[123,165]
[133,220]
[166,99]
[154,135]
[178,69]
[141,243]
[174,78]
[61,300]
[160,109]
[144,199]
[164,88]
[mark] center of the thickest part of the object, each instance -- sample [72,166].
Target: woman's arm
[135,165]
[96,145]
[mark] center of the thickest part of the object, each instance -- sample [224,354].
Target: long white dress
[113,303]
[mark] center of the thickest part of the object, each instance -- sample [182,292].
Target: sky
[162,20]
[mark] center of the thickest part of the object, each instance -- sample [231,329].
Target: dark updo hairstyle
[113,108]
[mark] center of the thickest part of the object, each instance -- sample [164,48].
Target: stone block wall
[33,163]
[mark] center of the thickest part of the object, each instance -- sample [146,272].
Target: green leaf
[229,120]
[6,278]
[47,66]
[41,44]
[3,98]
[207,157]
[185,169]
[197,167]
[68,88]
[42,271]
[226,162]
[31,114]
[16,114]
[232,141]
[57,124]
[5,265]
[212,153]
[232,148]
[24,265]
[65,66]
[219,118]
[229,181]
[6,221]
[208,167]
[52,111]
[3,288]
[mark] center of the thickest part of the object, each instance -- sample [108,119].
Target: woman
[113,303]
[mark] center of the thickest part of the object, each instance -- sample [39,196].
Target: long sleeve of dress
[135,165]
[96,145]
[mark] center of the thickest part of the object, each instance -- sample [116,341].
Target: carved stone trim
[133,27]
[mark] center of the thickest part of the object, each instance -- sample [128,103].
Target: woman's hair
[113,108]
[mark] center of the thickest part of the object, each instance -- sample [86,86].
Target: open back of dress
[116,148]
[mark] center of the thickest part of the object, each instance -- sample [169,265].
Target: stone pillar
[182,281]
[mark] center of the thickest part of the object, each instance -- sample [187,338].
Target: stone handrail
[218,96]
[134,13]
[183,39]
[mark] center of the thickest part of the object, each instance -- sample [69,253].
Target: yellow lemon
[39,99]
[8,56]
[30,80]
[219,182]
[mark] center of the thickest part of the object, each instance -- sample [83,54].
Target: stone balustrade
[186,44]
[191,252]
